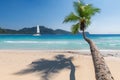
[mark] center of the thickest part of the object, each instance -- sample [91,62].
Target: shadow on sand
[49,67]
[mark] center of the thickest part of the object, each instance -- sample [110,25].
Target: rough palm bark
[102,71]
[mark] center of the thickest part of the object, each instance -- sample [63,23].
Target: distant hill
[7,31]
[59,31]
[32,30]
[43,30]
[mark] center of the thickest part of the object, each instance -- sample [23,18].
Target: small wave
[20,42]
[113,44]
[41,42]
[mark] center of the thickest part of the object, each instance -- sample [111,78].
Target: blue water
[58,42]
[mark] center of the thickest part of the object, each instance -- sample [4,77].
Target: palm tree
[82,19]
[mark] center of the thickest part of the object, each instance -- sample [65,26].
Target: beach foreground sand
[51,65]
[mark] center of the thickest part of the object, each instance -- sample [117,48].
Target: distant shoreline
[66,34]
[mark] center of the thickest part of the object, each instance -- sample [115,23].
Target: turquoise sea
[58,42]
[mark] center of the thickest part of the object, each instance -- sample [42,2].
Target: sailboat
[38,31]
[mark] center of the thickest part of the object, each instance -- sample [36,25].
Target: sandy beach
[53,65]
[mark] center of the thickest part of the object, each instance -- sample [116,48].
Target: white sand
[15,65]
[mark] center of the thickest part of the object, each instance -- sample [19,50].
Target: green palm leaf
[90,10]
[71,18]
[77,7]
[75,28]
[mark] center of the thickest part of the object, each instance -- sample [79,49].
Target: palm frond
[78,8]
[75,28]
[90,10]
[71,18]
[88,22]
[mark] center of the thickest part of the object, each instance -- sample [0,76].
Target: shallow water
[58,42]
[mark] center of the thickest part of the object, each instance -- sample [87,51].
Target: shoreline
[55,49]
[105,53]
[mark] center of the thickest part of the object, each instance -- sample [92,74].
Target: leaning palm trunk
[102,71]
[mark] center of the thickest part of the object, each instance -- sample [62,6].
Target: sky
[16,14]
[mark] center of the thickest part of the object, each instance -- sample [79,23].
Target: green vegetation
[82,16]
[32,30]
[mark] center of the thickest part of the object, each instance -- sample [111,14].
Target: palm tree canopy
[82,16]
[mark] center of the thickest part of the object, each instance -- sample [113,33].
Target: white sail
[38,29]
